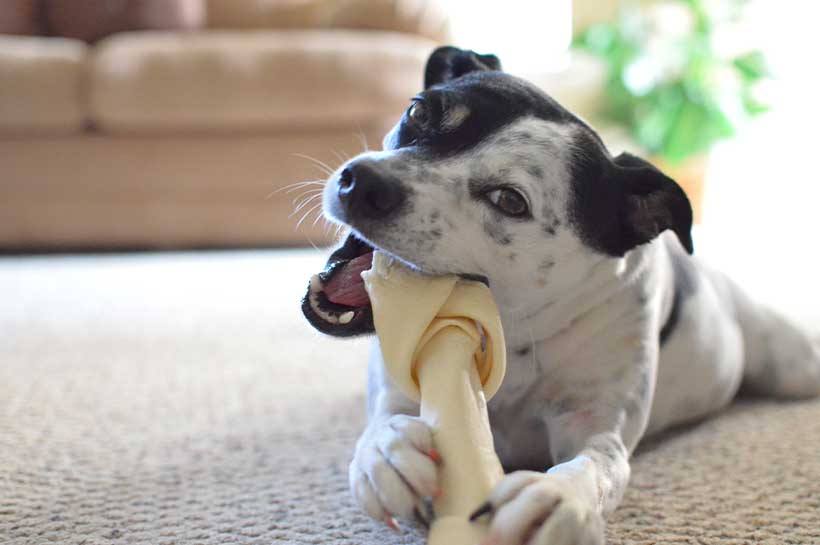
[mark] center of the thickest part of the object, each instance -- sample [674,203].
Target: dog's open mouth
[336,301]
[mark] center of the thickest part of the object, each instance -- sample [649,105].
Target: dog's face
[487,177]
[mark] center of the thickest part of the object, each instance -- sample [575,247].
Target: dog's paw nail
[434,455]
[421,519]
[393,525]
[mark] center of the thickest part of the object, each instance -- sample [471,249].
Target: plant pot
[691,176]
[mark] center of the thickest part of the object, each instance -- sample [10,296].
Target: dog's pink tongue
[347,287]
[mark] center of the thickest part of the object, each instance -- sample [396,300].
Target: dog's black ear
[651,203]
[448,62]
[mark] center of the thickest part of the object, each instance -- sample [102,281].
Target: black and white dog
[614,331]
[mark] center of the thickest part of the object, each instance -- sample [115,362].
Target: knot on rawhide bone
[410,309]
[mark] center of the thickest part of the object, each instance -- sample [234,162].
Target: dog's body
[613,331]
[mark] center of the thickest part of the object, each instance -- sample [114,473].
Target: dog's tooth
[315,283]
[346,317]
[328,317]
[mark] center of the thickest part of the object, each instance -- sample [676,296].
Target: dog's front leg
[395,465]
[567,504]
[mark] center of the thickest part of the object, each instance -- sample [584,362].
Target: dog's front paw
[534,508]
[394,470]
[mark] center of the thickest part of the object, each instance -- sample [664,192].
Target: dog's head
[487,177]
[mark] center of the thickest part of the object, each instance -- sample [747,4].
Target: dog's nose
[365,194]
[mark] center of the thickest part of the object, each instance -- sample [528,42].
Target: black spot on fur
[546,265]
[551,225]
[435,215]
[436,233]
[535,171]
[495,232]
[685,286]
[523,351]
[512,256]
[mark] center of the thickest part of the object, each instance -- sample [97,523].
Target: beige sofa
[187,139]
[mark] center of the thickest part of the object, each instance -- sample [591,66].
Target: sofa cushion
[91,20]
[268,13]
[19,17]
[422,17]
[42,84]
[152,81]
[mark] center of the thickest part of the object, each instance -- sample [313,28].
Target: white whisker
[363,139]
[290,188]
[339,156]
[306,214]
[319,184]
[321,164]
[306,193]
[305,203]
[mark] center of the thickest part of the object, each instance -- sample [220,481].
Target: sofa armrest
[425,18]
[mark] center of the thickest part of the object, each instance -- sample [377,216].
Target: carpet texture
[180,399]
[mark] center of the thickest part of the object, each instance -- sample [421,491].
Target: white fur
[587,378]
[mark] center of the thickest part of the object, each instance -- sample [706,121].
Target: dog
[614,330]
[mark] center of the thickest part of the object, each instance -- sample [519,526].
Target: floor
[180,399]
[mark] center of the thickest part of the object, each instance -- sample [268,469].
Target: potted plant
[670,87]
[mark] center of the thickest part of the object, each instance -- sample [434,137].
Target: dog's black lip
[362,322]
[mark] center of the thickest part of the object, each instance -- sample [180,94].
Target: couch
[190,137]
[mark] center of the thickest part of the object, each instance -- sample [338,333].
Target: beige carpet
[180,399]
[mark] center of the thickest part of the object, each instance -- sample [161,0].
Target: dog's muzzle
[366,195]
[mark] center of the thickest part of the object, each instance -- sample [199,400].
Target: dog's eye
[419,114]
[509,201]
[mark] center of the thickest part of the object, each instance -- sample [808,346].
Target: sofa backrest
[420,17]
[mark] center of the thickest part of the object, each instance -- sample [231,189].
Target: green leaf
[687,97]
[752,66]
[752,105]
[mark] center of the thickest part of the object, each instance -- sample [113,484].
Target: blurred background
[160,169]
[183,124]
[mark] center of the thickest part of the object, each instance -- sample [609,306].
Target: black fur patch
[448,62]
[685,282]
[495,100]
[618,205]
